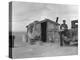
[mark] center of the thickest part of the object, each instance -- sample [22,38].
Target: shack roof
[48,20]
[45,20]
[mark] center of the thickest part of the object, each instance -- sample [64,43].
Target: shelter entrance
[43,31]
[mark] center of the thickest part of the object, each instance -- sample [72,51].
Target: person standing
[64,29]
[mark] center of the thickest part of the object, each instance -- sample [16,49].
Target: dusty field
[43,50]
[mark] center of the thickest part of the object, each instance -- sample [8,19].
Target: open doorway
[43,31]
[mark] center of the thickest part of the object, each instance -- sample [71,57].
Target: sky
[23,13]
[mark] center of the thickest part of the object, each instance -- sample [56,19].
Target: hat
[64,20]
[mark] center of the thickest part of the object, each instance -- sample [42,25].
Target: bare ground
[43,50]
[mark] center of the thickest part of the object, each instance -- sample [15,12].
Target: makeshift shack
[45,31]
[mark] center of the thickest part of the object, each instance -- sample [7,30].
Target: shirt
[63,26]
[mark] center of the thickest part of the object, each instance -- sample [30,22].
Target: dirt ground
[43,50]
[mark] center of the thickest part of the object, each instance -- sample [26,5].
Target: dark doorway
[43,31]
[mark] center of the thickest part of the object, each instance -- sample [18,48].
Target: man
[64,29]
[64,25]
